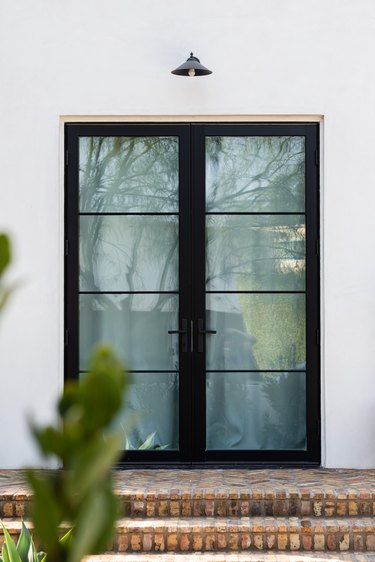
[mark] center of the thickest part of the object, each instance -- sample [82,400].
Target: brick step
[235,535]
[224,502]
[242,534]
[232,557]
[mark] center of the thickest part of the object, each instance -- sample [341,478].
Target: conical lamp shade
[192,67]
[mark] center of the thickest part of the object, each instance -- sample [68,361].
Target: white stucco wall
[270,58]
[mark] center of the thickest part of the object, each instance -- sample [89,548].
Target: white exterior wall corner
[106,60]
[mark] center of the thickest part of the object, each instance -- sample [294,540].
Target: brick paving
[213,479]
[131,481]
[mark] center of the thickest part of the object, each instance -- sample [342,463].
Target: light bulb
[191,71]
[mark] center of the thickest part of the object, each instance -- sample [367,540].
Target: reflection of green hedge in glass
[278,323]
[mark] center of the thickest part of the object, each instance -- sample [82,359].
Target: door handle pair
[183,332]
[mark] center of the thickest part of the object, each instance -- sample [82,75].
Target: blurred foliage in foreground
[86,444]
[23,551]
[5,259]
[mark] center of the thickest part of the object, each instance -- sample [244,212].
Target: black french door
[193,250]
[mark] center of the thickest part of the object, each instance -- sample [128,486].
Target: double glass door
[192,250]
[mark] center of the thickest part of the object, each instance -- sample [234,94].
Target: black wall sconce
[192,67]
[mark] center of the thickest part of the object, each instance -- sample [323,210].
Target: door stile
[312,293]
[71,270]
[198,284]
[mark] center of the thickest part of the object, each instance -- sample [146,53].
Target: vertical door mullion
[185,292]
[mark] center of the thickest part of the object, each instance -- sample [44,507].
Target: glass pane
[135,325]
[252,253]
[150,418]
[128,253]
[259,174]
[256,332]
[256,411]
[128,174]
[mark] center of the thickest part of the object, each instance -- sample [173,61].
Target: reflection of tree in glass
[129,175]
[256,174]
[265,249]
[277,322]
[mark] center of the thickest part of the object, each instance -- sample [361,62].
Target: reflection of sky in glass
[135,325]
[129,253]
[255,252]
[272,410]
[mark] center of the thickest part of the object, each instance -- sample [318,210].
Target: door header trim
[244,118]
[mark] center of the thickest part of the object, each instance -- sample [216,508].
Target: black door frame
[192,283]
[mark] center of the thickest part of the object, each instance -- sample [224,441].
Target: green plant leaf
[67,538]
[5,252]
[46,513]
[23,544]
[95,524]
[94,463]
[50,440]
[5,553]
[5,296]
[102,389]
[12,553]
[33,555]
[149,442]
[86,440]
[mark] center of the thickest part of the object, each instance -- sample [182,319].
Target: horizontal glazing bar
[128,292]
[279,213]
[142,372]
[110,214]
[83,371]
[256,371]
[155,372]
[257,292]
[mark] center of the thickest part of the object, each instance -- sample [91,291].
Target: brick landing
[214,479]
[225,493]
